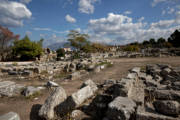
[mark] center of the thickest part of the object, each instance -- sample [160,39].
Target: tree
[132,48]
[6,39]
[60,52]
[174,39]
[152,42]
[26,49]
[78,40]
[160,42]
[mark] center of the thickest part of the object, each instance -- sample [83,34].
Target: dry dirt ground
[28,108]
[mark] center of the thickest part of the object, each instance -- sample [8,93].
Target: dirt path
[27,109]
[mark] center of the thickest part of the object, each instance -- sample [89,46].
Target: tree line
[11,48]
[172,41]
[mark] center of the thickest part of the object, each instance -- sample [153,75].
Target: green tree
[152,42]
[132,48]
[60,52]
[78,40]
[26,49]
[160,42]
[174,39]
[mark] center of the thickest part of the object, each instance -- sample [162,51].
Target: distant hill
[55,46]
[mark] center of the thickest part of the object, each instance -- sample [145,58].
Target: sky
[106,21]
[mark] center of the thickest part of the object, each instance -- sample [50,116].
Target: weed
[31,97]
[14,63]
[61,75]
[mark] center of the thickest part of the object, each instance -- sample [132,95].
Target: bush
[60,52]
[132,48]
[26,49]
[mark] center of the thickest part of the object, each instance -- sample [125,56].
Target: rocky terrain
[147,91]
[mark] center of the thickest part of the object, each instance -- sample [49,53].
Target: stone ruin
[151,93]
[46,71]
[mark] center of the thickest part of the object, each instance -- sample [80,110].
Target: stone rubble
[10,116]
[57,97]
[9,88]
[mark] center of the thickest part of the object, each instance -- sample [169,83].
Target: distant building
[67,49]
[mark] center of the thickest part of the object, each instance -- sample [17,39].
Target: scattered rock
[144,115]
[10,116]
[81,95]
[135,70]
[97,69]
[30,90]
[91,84]
[76,114]
[51,84]
[121,108]
[74,75]
[132,76]
[56,97]
[167,95]
[9,88]
[167,107]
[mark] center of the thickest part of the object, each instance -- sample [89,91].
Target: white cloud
[155,2]
[162,24]
[42,29]
[29,33]
[70,19]
[163,12]
[86,6]
[25,1]
[171,10]
[121,29]
[127,12]
[141,19]
[177,20]
[13,13]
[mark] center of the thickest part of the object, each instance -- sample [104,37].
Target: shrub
[60,52]
[132,48]
[26,49]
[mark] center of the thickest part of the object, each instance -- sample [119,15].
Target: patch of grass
[109,65]
[143,68]
[44,72]
[36,94]
[15,64]
[61,75]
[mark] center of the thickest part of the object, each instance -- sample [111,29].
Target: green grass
[15,64]
[105,63]
[61,75]
[44,72]
[31,97]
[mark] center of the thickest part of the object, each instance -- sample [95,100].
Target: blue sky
[106,21]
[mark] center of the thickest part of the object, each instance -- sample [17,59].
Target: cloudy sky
[106,21]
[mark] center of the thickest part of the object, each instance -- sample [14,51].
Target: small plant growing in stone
[31,97]
[14,63]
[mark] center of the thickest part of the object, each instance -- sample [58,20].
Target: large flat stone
[10,116]
[121,108]
[167,95]
[9,89]
[81,95]
[142,115]
[167,107]
[57,97]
